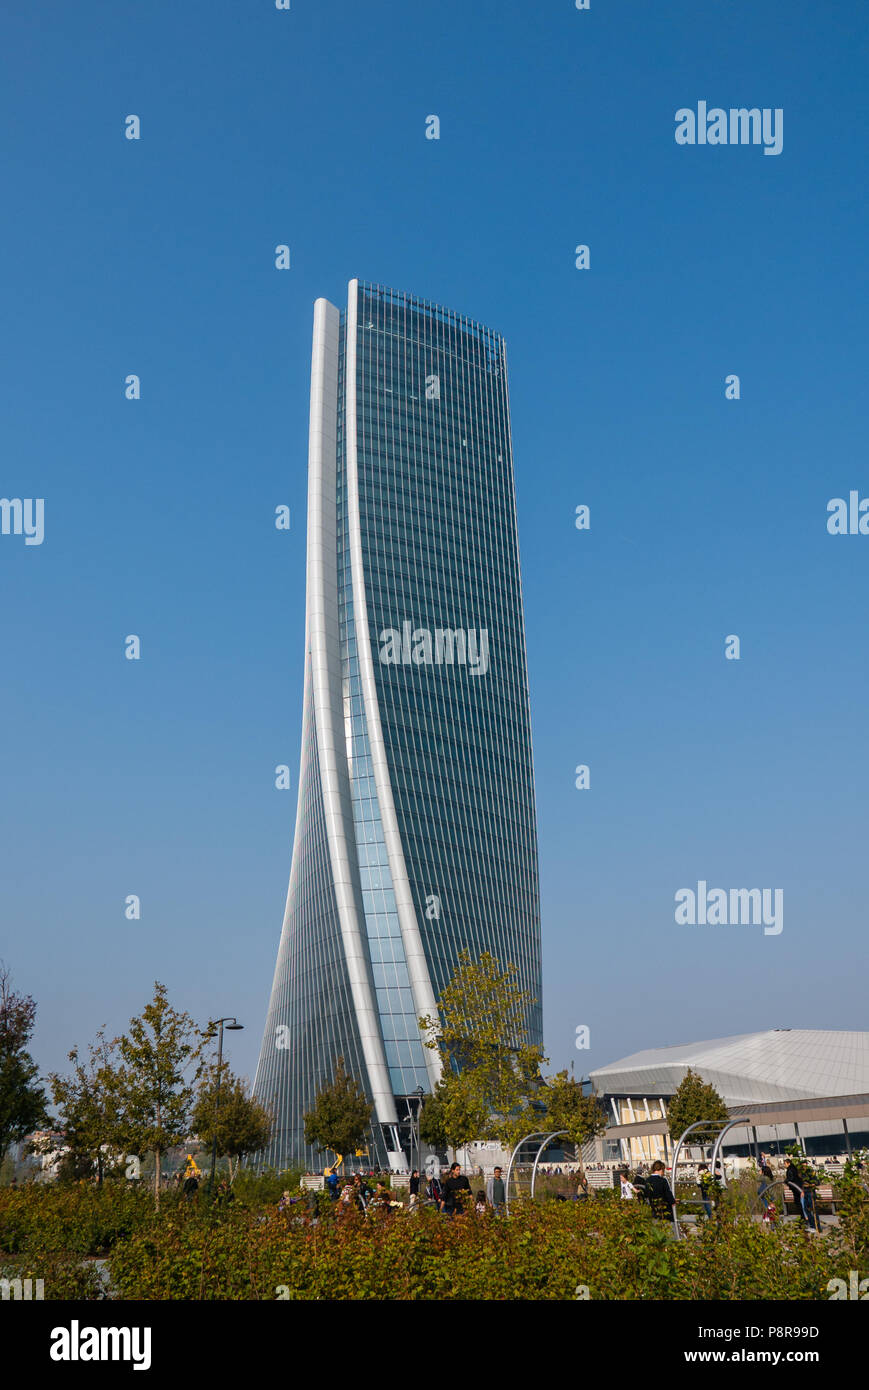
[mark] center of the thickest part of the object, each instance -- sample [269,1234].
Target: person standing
[659,1194]
[767,1178]
[455,1188]
[496,1193]
[705,1183]
[793,1179]
[435,1191]
[414,1188]
[629,1192]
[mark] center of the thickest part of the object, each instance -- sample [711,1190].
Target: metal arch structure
[534,1134]
[556,1134]
[699,1124]
[733,1124]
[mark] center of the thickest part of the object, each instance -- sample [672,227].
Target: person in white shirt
[629,1192]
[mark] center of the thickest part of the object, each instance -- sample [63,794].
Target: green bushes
[544,1250]
[48,1231]
[540,1252]
[82,1220]
[262,1188]
[854,1210]
[63,1276]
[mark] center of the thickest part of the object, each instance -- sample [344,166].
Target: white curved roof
[779,1064]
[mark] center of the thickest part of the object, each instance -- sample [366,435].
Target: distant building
[781,1064]
[45,1148]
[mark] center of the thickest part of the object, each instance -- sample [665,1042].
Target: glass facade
[417,790]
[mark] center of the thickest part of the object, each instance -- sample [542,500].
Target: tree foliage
[88,1102]
[490,1073]
[160,1061]
[341,1116]
[22,1099]
[230,1115]
[432,1121]
[695,1101]
[569,1109]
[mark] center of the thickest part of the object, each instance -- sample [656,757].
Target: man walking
[767,1178]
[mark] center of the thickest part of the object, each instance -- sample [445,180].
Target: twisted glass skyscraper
[415,829]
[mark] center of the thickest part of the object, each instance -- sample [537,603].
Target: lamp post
[419,1093]
[233,1025]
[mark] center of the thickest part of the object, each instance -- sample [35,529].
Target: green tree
[695,1101]
[853,1190]
[238,1122]
[432,1122]
[160,1062]
[568,1108]
[460,1101]
[489,1071]
[341,1116]
[22,1099]
[88,1105]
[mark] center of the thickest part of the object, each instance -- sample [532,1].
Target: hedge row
[542,1251]
[83,1219]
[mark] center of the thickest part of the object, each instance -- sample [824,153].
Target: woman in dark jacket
[794,1180]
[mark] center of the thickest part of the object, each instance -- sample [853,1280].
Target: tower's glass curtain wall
[415,828]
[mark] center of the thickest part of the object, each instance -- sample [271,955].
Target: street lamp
[419,1093]
[232,1025]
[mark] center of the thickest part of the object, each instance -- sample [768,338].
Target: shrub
[541,1251]
[81,1220]
[255,1189]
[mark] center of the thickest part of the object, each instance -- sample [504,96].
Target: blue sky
[156,257]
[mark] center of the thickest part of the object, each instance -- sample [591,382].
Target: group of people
[451,1193]
[802,1191]
[357,1194]
[652,1188]
[655,1189]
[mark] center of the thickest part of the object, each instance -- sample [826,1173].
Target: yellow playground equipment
[332,1168]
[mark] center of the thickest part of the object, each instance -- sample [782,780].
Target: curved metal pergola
[732,1124]
[548,1135]
[698,1124]
[556,1134]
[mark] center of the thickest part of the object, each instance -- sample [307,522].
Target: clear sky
[708,516]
